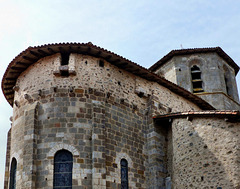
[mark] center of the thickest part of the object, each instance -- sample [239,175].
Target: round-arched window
[196,79]
[63,164]
[124,174]
[13,173]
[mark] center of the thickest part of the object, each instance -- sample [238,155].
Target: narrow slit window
[63,164]
[124,174]
[196,79]
[101,63]
[228,83]
[13,173]
[64,64]
[65,58]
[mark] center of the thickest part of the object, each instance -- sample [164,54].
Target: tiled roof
[180,52]
[232,114]
[33,54]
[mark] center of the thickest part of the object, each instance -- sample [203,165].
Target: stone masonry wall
[119,83]
[225,104]
[97,115]
[168,71]
[216,77]
[205,153]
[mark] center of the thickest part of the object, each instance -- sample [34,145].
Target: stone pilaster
[30,146]
[156,149]
[7,164]
[98,146]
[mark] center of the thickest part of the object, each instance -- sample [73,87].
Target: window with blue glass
[124,174]
[13,172]
[63,164]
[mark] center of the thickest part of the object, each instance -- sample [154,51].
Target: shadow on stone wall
[203,153]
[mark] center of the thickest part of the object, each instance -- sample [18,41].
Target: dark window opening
[101,63]
[64,64]
[196,79]
[197,84]
[65,58]
[13,172]
[196,75]
[140,94]
[124,174]
[63,164]
[228,83]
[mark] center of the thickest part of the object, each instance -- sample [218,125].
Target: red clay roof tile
[33,54]
[217,113]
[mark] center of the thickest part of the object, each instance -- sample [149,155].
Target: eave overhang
[228,115]
[32,54]
[181,52]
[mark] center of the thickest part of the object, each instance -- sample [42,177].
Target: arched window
[13,172]
[196,79]
[124,174]
[63,163]
[228,83]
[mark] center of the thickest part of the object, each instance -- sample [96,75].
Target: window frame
[63,166]
[124,174]
[196,79]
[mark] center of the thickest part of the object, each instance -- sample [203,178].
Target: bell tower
[207,72]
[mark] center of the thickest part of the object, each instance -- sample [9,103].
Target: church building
[87,118]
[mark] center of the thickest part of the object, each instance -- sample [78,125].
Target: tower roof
[180,52]
[32,54]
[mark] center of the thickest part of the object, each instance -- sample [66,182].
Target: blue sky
[142,31]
